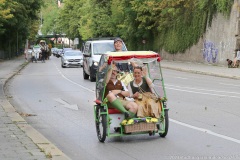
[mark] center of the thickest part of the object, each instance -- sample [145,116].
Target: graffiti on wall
[210,52]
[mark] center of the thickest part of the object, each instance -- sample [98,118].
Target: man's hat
[42,41]
[117,39]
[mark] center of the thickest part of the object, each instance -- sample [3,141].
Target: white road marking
[229,84]
[199,89]
[65,104]
[212,94]
[181,78]
[73,81]
[206,131]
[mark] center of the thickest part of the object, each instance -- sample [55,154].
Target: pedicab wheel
[101,124]
[164,121]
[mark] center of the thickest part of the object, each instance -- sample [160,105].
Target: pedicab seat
[98,102]
[113,111]
[110,110]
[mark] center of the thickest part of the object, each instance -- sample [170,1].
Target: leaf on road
[26,114]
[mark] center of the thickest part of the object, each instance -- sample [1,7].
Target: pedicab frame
[101,110]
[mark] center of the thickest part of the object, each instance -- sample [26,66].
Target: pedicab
[108,119]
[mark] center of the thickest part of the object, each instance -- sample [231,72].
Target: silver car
[72,58]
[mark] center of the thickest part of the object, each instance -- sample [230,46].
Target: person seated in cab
[140,83]
[141,89]
[116,91]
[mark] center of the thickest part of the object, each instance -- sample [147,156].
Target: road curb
[50,150]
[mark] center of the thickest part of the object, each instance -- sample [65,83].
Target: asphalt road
[204,115]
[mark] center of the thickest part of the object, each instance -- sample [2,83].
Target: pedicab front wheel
[163,124]
[101,123]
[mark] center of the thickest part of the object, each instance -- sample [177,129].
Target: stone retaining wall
[219,43]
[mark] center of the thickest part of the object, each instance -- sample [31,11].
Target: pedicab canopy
[124,56]
[146,59]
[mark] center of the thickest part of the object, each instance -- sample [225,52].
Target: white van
[92,51]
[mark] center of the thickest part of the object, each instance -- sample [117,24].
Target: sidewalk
[200,68]
[18,139]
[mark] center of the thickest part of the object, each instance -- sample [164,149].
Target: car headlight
[95,63]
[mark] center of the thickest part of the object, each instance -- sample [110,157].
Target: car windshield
[103,47]
[36,48]
[75,53]
[66,49]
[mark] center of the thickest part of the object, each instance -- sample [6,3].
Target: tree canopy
[18,22]
[172,25]
[5,14]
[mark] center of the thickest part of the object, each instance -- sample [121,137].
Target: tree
[5,14]
[23,15]
[172,25]
[49,13]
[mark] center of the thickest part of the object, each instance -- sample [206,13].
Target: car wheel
[92,79]
[85,76]
[92,76]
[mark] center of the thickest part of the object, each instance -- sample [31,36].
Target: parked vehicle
[72,58]
[54,51]
[92,51]
[61,52]
[58,53]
